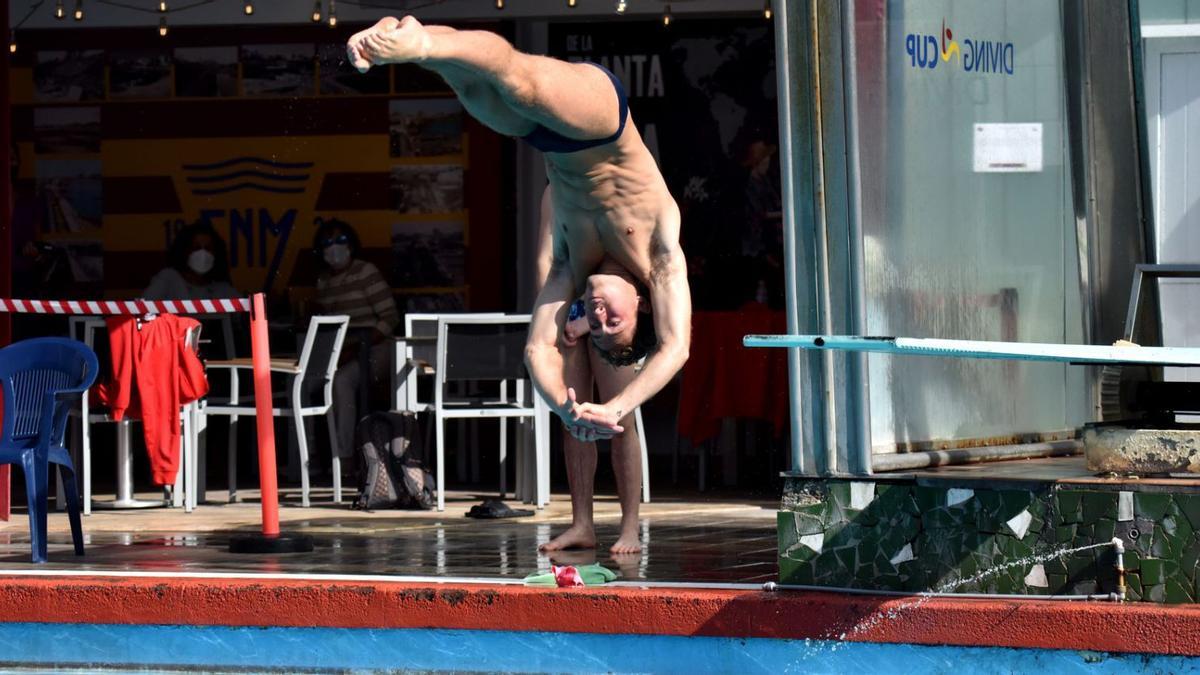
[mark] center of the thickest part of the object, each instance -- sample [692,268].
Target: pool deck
[686,539]
[700,575]
[266,601]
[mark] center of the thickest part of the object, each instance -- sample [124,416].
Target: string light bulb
[79,10]
[332,14]
[162,27]
[162,6]
[12,42]
[620,6]
[59,11]
[570,3]
[248,8]
[767,13]
[667,16]
[499,4]
[316,15]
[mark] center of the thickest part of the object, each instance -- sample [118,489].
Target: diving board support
[977,349]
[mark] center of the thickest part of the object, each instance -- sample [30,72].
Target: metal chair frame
[297,371]
[526,406]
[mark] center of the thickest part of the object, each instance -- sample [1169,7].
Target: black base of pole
[262,543]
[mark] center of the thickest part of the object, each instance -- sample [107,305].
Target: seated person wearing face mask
[348,285]
[197,267]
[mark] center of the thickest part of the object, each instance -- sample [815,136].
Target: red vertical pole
[270,541]
[6,252]
[261,354]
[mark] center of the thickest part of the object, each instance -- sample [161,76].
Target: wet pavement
[685,539]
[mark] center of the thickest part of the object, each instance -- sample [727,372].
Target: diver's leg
[581,462]
[573,99]
[626,453]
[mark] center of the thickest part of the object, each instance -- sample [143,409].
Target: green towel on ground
[592,575]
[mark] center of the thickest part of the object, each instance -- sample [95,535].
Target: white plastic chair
[314,368]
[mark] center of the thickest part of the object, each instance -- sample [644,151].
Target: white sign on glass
[1008,148]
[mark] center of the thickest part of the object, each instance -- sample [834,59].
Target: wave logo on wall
[254,174]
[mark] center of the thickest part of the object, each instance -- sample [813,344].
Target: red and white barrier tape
[135,307]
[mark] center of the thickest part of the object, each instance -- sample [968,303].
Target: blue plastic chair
[41,379]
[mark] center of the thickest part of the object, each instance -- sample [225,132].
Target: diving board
[975,349]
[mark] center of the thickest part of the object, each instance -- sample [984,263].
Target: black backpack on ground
[391,447]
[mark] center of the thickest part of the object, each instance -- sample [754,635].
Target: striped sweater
[361,292]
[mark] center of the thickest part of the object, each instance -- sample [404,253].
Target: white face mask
[201,261]
[337,255]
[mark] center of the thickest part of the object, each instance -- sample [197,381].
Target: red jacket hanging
[154,374]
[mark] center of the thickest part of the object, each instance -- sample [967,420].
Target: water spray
[944,592]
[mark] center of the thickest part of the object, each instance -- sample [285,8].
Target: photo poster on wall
[252,183]
[69,76]
[429,239]
[70,130]
[260,160]
[429,127]
[206,72]
[143,73]
[427,188]
[702,94]
[57,224]
[279,70]
[72,193]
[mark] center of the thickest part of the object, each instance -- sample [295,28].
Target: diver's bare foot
[627,543]
[576,536]
[408,42]
[355,47]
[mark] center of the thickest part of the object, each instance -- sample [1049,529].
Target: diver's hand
[574,330]
[598,416]
[582,426]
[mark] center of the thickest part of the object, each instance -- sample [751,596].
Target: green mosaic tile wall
[902,536]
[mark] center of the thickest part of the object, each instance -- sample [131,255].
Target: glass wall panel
[1155,12]
[967,222]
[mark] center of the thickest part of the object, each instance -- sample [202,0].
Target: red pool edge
[1102,627]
